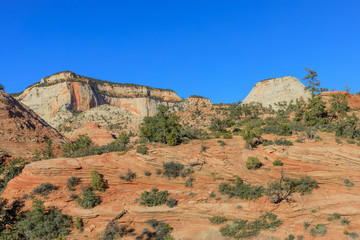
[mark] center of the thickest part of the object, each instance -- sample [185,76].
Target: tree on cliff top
[312,82]
[1,87]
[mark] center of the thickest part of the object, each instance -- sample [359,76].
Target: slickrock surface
[274,90]
[328,163]
[22,131]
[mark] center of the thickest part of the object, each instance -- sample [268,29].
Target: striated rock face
[274,90]
[328,163]
[22,130]
[66,92]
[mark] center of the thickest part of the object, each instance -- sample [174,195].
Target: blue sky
[217,49]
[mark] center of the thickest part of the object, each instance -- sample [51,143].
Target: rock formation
[22,130]
[274,90]
[67,93]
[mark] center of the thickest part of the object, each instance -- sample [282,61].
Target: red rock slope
[22,130]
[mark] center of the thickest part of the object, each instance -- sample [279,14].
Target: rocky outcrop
[274,90]
[67,92]
[22,130]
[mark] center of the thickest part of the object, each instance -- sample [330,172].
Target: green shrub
[253,163]
[227,136]
[320,229]
[78,224]
[142,149]
[299,140]
[268,143]
[97,181]
[353,235]
[304,185]
[334,217]
[158,171]
[306,225]
[12,169]
[218,220]
[221,142]
[246,229]
[154,198]
[163,127]
[345,221]
[171,202]
[162,230]
[147,173]
[346,232]
[218,125]
[277,162]
[203,148]
[283,142]
[88,199]
[283,130]
[313,232]
[348,183]
[72,182]
[188,182]
[290,237]
[172,169]
[350,141]
[241,190]
[129,176]
[41,223]
[44,189]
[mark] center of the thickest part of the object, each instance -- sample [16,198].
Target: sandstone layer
[271,91]
[22,131]
[67,93]
[328,163]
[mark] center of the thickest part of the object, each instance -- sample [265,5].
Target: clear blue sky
[218,49]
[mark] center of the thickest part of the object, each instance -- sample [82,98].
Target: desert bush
[41,223]
[345,221]
[78,224]
[221,142]
[158,171]
[353,235]
[241,190]
[72,182]
[142,149]
[171,202]
[154,198]
[320,229]
[267,143]
[283,130]
[227,136]
[163,127]
[348,183]
[11,170]
[218,220]
[162,230]
[277,162]
[306,225]
[218,125]
[283,142]
[188,182]
[88,199]
[290,237]
[172,169]
[147,173]
[44,189]
[97,181]
[114,230]
[334,217]
[253,163]
[245,229]
[129,176]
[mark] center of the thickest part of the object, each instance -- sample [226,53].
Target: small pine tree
[312,82]
[97,181]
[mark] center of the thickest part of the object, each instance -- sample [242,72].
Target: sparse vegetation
[218,220]
[245,229]
[253,163]
[172,169]
[348,183]
[44,189]
[142,149]
[171,202]
[154,198]
[129,176]
[162,230]
[277,162]
[88,199]
[72,182]
[97,181]
[241,190]
[41,223]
